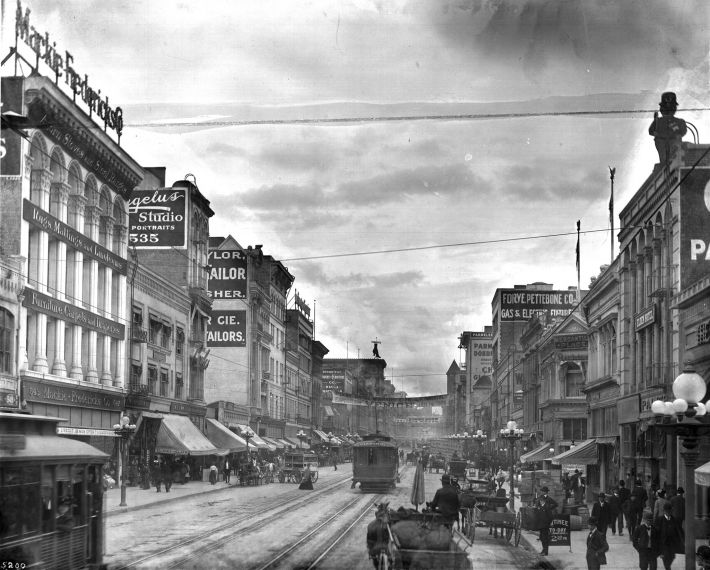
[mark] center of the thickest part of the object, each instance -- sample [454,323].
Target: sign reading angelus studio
[157,218]
[694,224]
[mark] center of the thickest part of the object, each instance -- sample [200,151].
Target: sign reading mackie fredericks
[61,231]
[46,51]
[157,218]
[71,314]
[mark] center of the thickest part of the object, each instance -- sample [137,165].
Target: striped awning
[538,454]
[274,442]
[584,454]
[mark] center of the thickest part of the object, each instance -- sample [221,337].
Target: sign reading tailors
[227,329]
[523,304]
[228,274]
[694,224]
[157,218]
[559,531]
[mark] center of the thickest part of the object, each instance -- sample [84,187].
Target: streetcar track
[274,510]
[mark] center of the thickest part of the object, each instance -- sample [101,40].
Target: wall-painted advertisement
[228,274]
[694,224]
[481,356]
[522,305]
[227,329]
[333,379]
[157,218]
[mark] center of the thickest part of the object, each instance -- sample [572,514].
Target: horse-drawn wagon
[480,506]
[295,464]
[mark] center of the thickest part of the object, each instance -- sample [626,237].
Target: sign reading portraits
[694,224]
[157,217]
[57,229]
[228,274]
[72,314]
[522,304]
[227,328]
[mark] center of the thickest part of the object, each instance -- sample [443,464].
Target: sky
[404,159]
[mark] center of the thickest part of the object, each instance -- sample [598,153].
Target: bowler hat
[593,521]
[445,479]
[602,495]
[680,490]
[544,489]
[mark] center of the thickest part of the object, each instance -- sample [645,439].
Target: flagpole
[612,172]
[579,288]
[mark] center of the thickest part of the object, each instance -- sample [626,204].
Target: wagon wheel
[508,532]
[517,529]
[471,524]
[314,476]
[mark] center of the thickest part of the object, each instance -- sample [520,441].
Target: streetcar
[375,463]
[51,496]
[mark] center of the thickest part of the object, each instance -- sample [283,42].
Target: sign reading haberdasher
[694,224]
[157,218]
[228,274]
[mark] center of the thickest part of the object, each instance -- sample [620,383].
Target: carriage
[406,539]
[481,507]
[458,468]
[375,463]
[437,462]
[295,464]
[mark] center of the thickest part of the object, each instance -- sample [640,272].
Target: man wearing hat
[641,541]
[667,130]
[446,501]
[602,512]
[597,546]
[667,537]
[677,502]
[547,506]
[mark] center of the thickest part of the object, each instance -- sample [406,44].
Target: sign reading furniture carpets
[71,314]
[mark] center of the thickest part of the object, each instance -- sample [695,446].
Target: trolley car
[295,464]
[51,496]
[375,463]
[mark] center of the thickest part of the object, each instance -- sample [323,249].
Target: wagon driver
[446,501]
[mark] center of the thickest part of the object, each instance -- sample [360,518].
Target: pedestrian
[306,480]
[574,485]
[547,506]
[660,502]
[625,506]
[641,541]
[335,462]
[617,518]
[213,474]
[597,546]
[677,502]
[638,501]
[226,471]
[167,474]
[602,512]
[667,538]
[156,474]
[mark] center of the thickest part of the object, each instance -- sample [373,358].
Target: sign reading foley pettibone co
[72,314]
[157,218]
[61,231]
[522,305]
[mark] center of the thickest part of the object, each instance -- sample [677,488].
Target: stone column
[77,371]
[122,316]
[106,376]
[40,183]
[92,217]
[61,191]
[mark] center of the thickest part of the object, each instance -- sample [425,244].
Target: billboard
[480,355]
[227,329]
[523,304]
[333,379]
[157,218]
[228,274]
[694,224]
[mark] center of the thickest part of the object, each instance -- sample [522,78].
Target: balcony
[138,388]
[656,285]
[139,334]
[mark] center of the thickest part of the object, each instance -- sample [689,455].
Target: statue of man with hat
[667,130]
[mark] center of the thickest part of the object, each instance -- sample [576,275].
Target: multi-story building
[12,286]
[478,369]
[299,369]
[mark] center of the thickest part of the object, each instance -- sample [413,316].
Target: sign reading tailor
[157,218]
[59,230]
[228,274]
[72,314]
[694,225]
[227,329]
[522,305]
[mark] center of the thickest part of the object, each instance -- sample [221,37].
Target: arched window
[574,380]
[7,331]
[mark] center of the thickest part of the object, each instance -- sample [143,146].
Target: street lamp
[512,433]
[685,417]
[329,435]
[301,435]
[124,429]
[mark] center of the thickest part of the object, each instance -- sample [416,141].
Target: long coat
[602,512]
[667,536]
[597,547]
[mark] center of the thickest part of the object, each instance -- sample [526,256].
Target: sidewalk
[137,498]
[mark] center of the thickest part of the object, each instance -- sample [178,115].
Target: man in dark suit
[547,505]
[597,546]
[446,501]
[602,512]
[667,537]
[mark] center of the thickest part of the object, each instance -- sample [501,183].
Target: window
[574,428]
[152,379]
[178,385]
[179,341]
[6,335]
[163,382]
[574,380]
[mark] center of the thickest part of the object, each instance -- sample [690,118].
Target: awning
[608,440]
[179,436]
[702,475]
[584,454]
[254,440]
[321,435]
[328,411]
[336,441]
[222,437]
[297,444]
[275,442]
[287,444]
[148,415]
[538,454]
